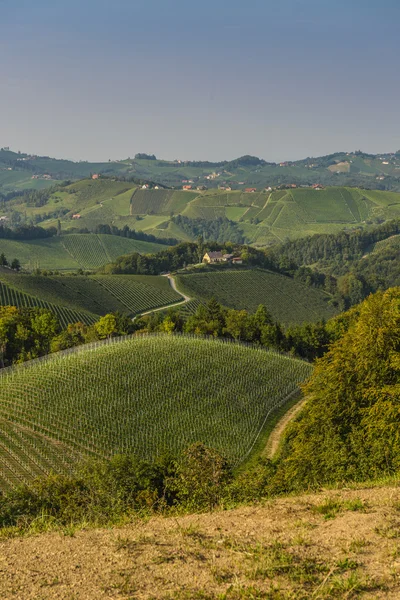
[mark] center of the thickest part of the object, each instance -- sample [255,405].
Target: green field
[74,251]
[143,395]
[288,300]
[264,217]
[81,298]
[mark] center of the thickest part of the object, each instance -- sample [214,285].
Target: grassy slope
[264,217]
[336,544]
[144,395]
[92,296]
[73,251]
[289,301]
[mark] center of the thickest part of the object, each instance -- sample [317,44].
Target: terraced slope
[143,395]
[289,301]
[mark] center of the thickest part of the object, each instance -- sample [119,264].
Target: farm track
[185,300]
[275,438]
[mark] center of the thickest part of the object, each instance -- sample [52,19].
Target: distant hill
[19,171]
[258,217]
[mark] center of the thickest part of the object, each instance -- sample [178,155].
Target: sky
[199,80]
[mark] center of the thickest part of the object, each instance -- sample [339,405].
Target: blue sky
[99,79]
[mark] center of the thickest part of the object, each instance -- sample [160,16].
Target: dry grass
[336,544]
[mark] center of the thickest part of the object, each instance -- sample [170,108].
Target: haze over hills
[21,171]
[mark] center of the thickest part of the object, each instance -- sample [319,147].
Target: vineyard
[139,293]
[10,296]
[92,251]
[288,300]
[73,251]
[143,395]
[81,298]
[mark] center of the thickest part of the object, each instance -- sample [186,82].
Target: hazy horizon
[104,79]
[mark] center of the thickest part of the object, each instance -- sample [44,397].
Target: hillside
[73,251]
[19,171]
[337,544]
[260,218]
[289,301]
[144,395]
[81,298]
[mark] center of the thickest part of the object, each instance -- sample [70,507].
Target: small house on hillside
[237,261]
[250,190]
[187,187]
[95,176]
[77,216]
[213,257]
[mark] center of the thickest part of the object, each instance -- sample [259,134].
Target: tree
[106,326]
[237,324]
[16,265]
[3,260]
[202,477]
[44,326]
[349,427]
[167,325]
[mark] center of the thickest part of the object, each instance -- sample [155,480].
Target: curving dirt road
[172,282]
[278,431]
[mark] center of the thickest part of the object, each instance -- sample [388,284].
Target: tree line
[28,333]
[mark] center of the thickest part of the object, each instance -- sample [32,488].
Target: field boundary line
[104,248]
[278,404]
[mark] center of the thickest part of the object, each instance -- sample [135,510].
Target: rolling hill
[73,251]
[260,218]
[143,395]
[81,298]
[19,171]
[289,301]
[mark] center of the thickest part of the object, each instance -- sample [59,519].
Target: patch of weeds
[300,540]
[69,530]
[124,543]
[346,564]
[358,544]
[193,532]
[52,583]
[390,531]
[395,552]
[355,505]
[222,576]
[189,595]
[123,585]
[251,593]
[164,557]
[275,560]
[305,524]
[329,508]
[347,586]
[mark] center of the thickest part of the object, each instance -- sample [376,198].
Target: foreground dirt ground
[335,544]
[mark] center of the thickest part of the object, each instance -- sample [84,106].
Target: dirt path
[276,434]
[185,300]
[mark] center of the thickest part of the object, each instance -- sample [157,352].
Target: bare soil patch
[335,544]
